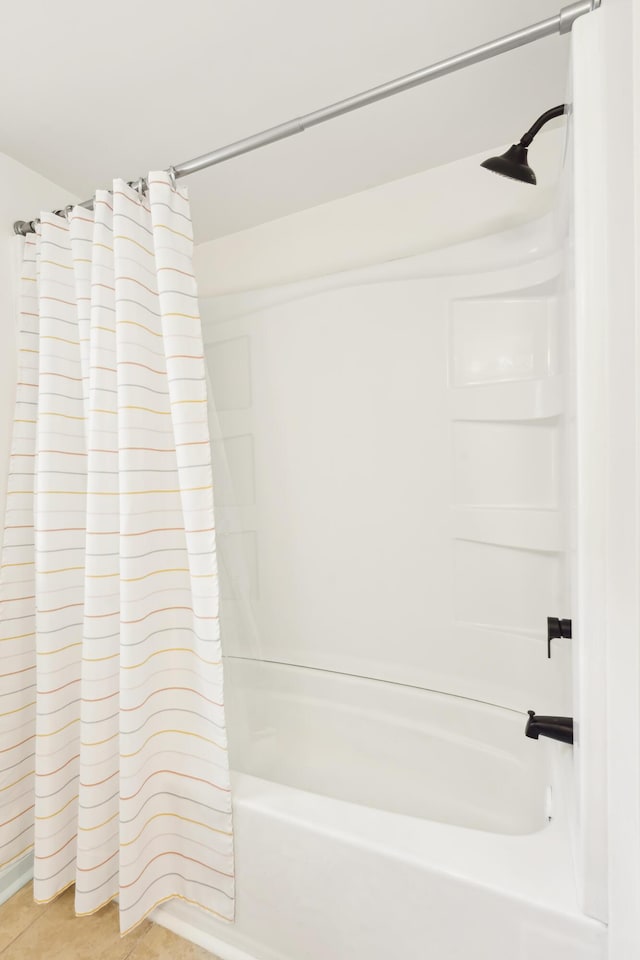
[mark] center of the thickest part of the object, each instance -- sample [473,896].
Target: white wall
[23,193]
[427,211]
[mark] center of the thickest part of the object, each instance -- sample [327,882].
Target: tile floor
[52,931]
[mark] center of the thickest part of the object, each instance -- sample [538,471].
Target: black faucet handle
[557,629]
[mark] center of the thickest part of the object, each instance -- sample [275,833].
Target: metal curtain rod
[561,23]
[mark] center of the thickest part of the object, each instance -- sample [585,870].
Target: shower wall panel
[387,449]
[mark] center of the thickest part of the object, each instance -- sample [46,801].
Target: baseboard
[197,927]
[187,922]
[14,877]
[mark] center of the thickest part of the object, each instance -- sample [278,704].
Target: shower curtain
[113,749]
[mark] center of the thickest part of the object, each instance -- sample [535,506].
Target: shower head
[514,162]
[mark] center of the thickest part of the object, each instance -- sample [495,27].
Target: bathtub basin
[389,746]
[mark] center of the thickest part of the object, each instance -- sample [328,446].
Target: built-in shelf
[526,529]
[516,400]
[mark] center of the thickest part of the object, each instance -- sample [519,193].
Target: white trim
[590,484]
[617,22]
[194,925]
[14,877]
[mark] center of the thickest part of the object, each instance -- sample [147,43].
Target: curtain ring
[138,185]
[67,211]
[172,177]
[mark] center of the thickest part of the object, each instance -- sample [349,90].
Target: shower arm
[535,128]
[560,24]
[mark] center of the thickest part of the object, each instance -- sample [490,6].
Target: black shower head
[514,162]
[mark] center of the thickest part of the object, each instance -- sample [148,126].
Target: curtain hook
[172,177]
[67,211]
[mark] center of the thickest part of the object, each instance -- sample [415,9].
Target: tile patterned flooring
[32,932]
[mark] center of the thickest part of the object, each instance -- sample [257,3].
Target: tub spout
[557,728]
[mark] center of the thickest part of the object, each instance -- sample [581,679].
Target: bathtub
[374,820]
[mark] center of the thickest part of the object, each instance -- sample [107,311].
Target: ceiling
[89,91]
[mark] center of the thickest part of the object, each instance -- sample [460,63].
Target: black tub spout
[557,728]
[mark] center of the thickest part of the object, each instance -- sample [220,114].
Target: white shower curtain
[113,749]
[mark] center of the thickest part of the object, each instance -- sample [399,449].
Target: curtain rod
[561,23]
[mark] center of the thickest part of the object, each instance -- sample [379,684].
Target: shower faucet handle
[557,629]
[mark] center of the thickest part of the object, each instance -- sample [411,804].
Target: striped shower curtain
[113,749]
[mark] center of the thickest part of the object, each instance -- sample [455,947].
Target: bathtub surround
[113,733]
[332,396]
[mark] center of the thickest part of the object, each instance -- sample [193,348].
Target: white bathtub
[376,821]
